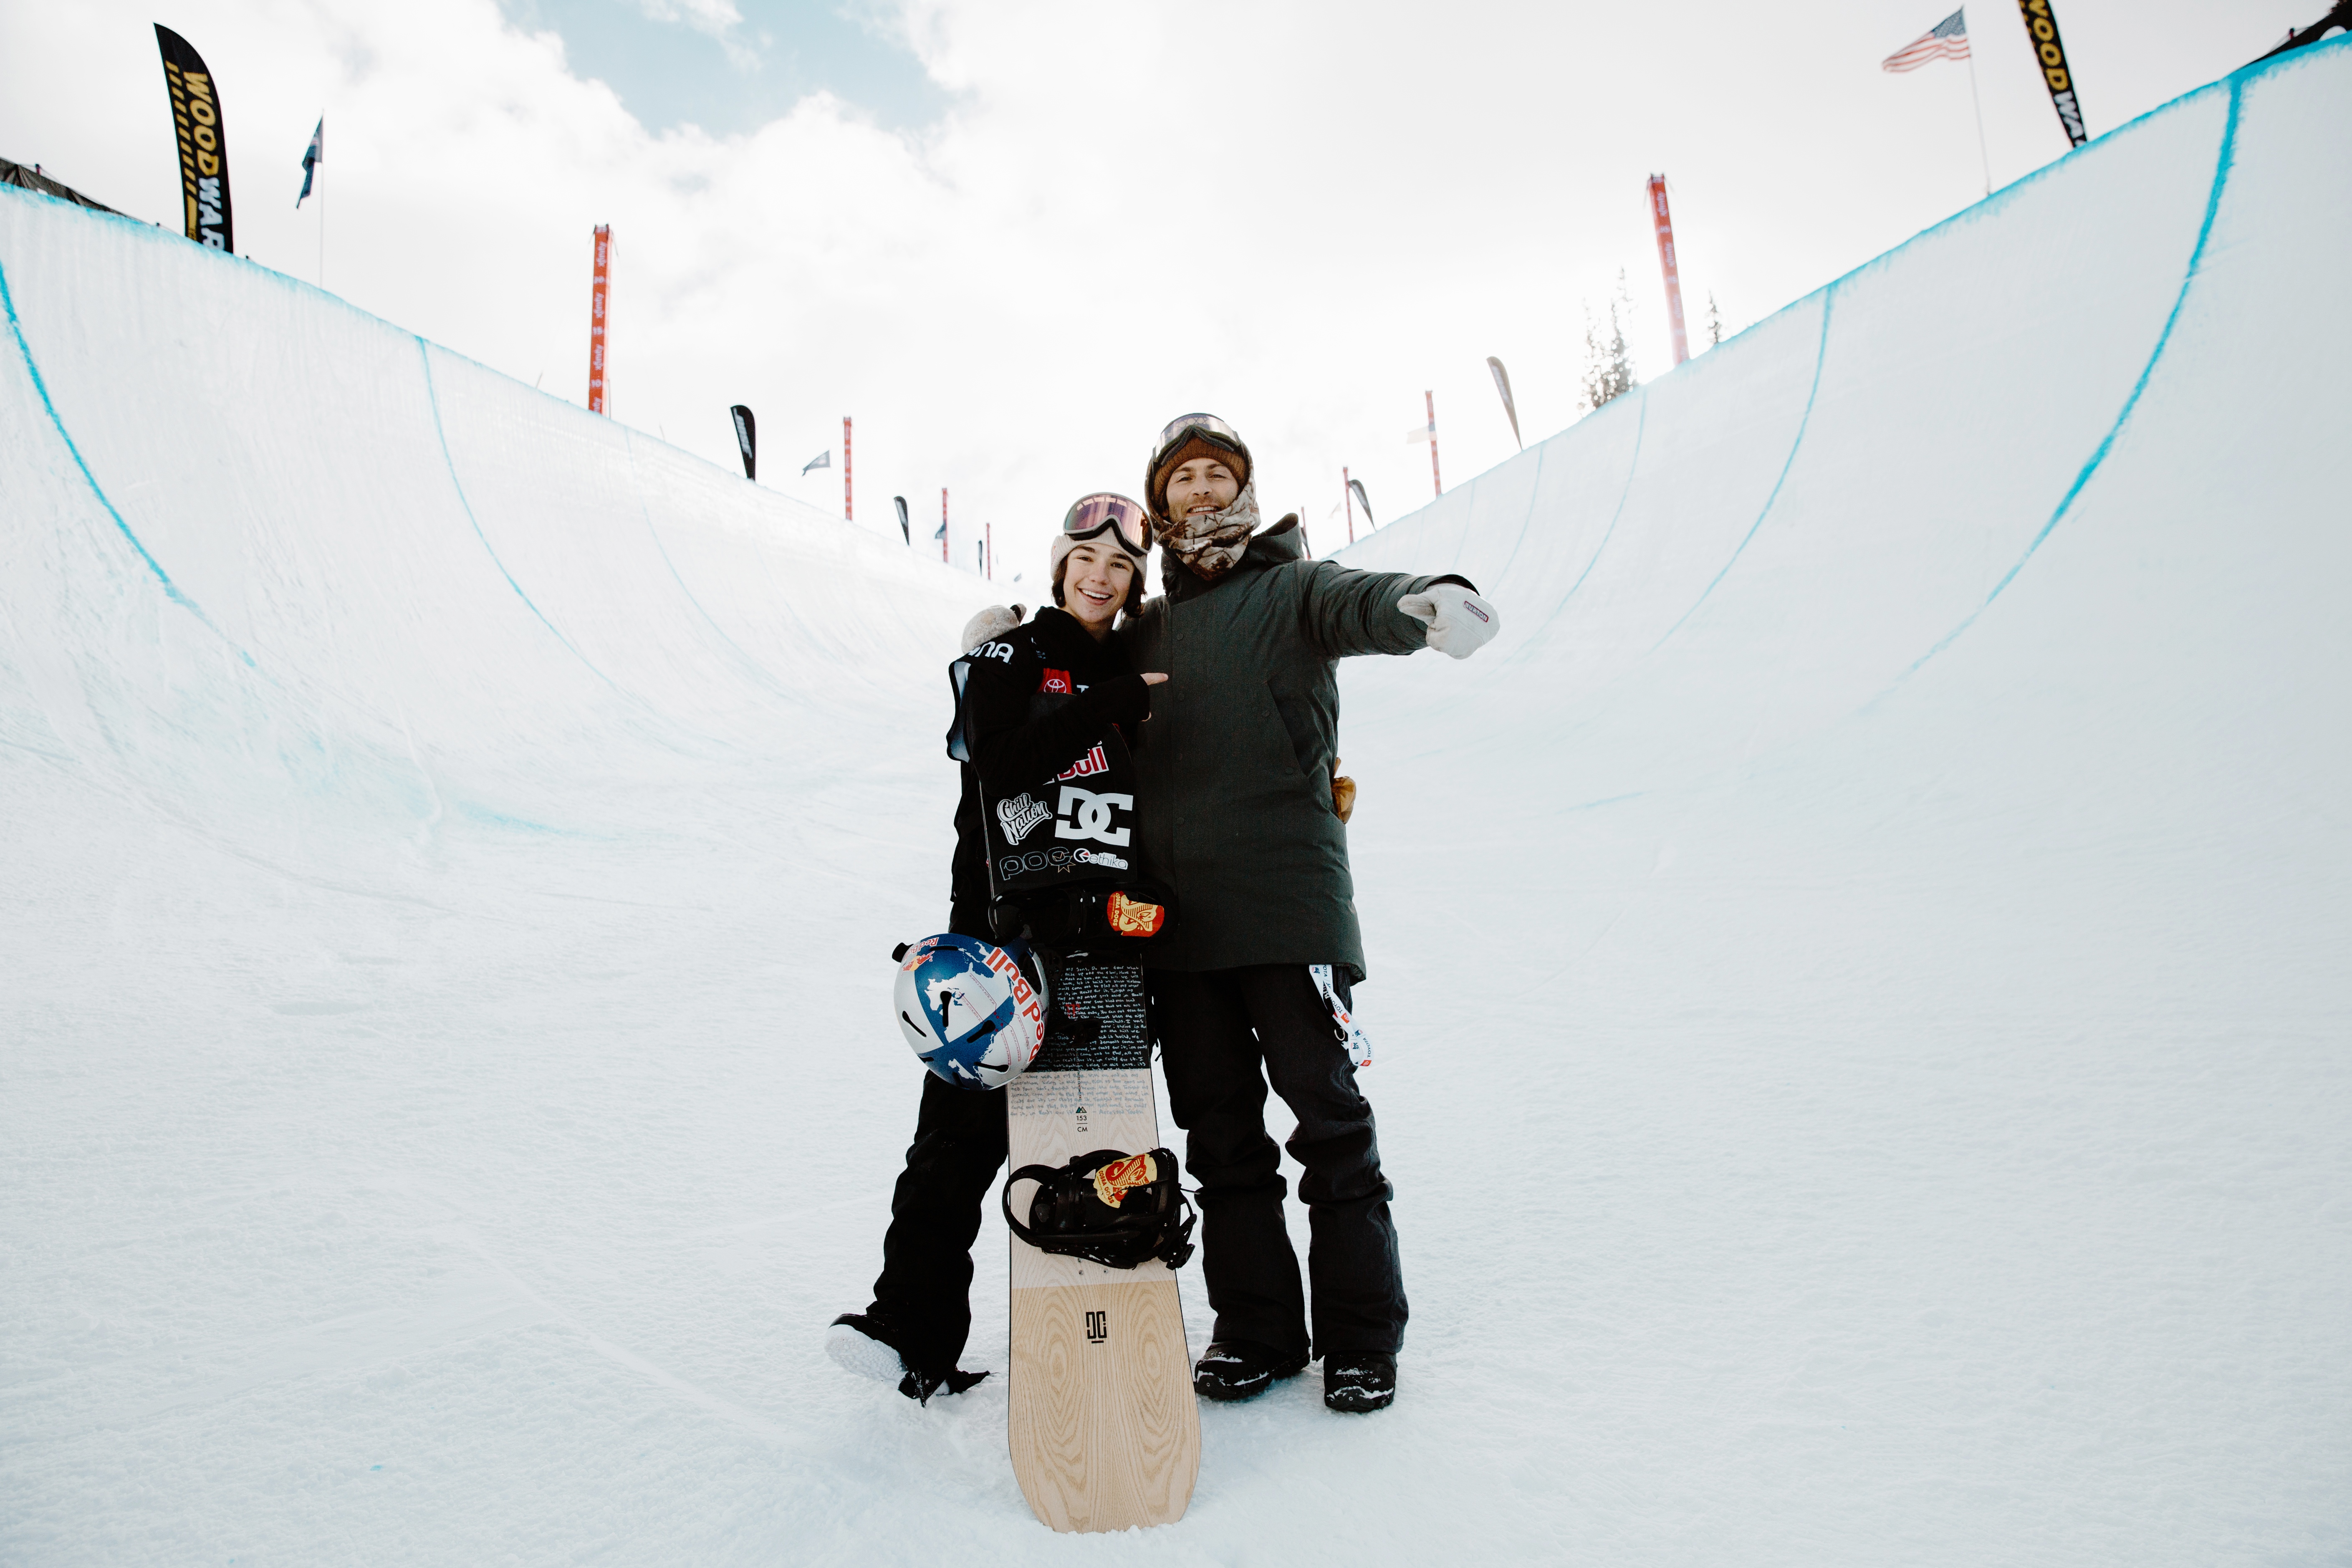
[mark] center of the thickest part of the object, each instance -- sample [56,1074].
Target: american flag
[1947,40]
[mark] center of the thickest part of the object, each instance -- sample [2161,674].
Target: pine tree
[1608,364]
[1714,321]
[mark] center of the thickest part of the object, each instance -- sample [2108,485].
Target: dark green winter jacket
[1234,765]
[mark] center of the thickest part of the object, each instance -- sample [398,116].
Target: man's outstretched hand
[1459,621]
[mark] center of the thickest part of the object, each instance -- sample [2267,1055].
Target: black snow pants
[924,1292]
[1223,1034]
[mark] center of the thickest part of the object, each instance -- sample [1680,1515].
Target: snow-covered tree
[1608,364]
[1714,321]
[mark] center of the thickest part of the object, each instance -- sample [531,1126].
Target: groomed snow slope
[1858,965]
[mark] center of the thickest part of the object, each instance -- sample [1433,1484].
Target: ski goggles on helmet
[1093,516]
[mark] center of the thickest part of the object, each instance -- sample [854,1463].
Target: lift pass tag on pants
[1344,1027]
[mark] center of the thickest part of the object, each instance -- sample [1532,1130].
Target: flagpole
[1978,102]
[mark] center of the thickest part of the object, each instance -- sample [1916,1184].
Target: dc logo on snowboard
[1086,815]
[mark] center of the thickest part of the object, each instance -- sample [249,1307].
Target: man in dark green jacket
[1236,815]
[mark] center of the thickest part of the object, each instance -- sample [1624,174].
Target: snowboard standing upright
[1105,1431]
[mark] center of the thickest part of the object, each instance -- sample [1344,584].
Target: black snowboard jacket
[1233,774]
[1032,701]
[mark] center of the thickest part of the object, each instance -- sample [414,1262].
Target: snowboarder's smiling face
[1202,484]
[1095,577]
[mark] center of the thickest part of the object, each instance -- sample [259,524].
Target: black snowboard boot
[1243,1369]
[863,1343]
[1359,1382]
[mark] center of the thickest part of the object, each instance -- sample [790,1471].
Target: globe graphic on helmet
[973,1012]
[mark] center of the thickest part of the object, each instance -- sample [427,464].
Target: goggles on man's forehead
[1209,430]
[1215,430]
[1125,520]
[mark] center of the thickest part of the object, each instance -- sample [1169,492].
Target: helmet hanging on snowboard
[973,1011]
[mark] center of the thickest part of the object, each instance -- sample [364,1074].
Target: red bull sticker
[1025,999]
[1094,762]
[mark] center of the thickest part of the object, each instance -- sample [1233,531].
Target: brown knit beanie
[1194,447]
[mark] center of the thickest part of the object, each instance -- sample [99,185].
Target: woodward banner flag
[203,142]
[2050,54]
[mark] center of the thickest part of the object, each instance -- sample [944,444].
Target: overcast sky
[1013,239]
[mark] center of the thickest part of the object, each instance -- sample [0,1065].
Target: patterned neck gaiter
[1211,541]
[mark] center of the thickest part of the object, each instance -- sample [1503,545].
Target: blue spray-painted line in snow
[171,589]
[759,671]
[1633,465]
[2222,165]
[1821,358]
[1534,488]
[433,397]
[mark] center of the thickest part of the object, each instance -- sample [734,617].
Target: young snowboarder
[1035,699]
[1237,820]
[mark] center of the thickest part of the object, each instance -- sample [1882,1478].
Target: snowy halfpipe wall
[1857,965]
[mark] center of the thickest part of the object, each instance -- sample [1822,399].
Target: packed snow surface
[1859,965]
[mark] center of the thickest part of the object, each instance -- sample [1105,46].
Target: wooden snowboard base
[1110,1435]
[1104,1429]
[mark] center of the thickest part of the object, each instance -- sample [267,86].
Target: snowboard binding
[1085,917]
[1115,1209]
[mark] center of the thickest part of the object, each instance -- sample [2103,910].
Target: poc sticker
[1086,815]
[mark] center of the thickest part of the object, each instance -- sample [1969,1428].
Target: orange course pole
[599,389]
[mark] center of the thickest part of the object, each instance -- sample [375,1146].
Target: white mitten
[989,624]
[1459,621]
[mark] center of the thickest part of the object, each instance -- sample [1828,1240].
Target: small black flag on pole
[747,438]
[905,531]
